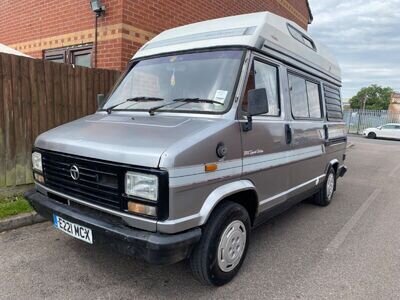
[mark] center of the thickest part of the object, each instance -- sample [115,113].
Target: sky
[364,35]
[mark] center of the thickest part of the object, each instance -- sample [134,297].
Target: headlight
[141,185]
[37,161]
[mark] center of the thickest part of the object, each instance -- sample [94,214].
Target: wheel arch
[334,163]
[242,192]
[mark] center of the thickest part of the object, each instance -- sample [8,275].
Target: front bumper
[155,248]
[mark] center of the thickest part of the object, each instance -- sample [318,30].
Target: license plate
[77,231]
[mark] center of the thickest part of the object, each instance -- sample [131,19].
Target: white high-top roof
[265,31]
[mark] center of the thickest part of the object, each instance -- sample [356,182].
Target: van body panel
[115,137]
[185,162]
[265,157]
[307,135]
[200,218]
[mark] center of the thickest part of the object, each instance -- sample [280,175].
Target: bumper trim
[155,248]
[134,221]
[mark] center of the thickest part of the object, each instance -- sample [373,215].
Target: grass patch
[10,206]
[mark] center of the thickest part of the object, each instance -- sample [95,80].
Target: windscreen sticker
[220,96]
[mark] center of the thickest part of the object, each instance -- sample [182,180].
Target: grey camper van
[214,128]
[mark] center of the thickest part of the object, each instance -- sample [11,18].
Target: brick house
[394,106]
[64,31]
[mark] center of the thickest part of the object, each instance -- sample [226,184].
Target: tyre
[223,245]
[371,135]
[325,194]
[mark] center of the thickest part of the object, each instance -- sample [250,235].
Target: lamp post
[99,9]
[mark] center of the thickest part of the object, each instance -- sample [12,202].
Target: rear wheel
[223,246]
[325,194]
[371,135]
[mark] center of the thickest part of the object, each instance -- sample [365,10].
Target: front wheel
[223,246]
[371,135]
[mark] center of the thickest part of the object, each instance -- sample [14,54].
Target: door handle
[288,133]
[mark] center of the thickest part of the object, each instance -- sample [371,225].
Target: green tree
[376,97]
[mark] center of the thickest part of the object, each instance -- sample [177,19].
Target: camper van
[214,128]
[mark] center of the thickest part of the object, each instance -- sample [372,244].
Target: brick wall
[31,26]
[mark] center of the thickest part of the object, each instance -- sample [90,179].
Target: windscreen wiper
[185,100]
[134,99]
[197,100]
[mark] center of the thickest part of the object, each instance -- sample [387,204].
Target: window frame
[49,53]
[266,61]
[73,53]
[69,53]
[312,80]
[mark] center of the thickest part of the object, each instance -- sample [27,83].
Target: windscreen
[202,75]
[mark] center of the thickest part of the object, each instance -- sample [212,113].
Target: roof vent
[302,38]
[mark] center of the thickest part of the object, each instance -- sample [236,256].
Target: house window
[78,55]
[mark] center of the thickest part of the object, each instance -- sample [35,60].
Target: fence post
[359,121]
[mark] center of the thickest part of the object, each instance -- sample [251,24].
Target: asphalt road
[349,250]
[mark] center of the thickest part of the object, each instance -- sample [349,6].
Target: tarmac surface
[349,250]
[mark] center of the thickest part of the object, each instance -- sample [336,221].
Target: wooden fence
[35,96]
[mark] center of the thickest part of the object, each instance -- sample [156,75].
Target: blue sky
[365,37]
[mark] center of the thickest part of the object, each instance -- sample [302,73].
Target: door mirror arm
[248,126]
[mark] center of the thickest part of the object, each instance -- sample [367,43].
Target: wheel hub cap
[330,186]
[231,246]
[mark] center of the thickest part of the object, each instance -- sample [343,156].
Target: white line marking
[394,171]
[348,227]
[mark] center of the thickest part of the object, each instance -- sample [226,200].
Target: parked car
[214,128]
[389,131]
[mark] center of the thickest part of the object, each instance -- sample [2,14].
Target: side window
[298,97]
[265,76]
[304,97]
[314,103]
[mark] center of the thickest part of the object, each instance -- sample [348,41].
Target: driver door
[265,145]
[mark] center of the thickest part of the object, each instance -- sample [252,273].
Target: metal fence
[357,119]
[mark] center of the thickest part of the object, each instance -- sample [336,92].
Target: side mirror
[257,104]
[380,127]
[100,100]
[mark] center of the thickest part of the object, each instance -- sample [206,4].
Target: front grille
[98,182]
